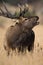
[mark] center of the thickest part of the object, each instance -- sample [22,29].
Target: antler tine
[6,8]
[2,11]
[20,10]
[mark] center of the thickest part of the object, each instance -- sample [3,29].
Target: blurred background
[13,2]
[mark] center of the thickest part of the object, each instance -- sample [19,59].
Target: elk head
[30,22]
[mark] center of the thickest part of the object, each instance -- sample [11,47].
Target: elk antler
[7,13]
[13,16]
[22,12]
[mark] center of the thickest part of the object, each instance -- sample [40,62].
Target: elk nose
[37,17]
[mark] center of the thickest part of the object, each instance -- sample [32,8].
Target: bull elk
[20,36]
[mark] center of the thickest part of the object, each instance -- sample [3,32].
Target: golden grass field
[35,58]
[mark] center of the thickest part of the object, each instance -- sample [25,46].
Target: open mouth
[37,20]
[37,23]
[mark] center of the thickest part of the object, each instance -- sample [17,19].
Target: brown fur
[21,36]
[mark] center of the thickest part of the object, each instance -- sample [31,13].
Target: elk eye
[25,19]
[16,22]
